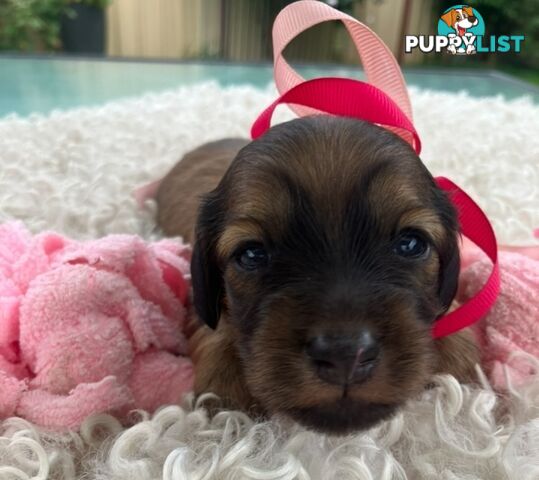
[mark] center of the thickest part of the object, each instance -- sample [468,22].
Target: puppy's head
[330,252]
[460,18]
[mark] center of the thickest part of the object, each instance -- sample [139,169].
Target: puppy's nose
[343,360]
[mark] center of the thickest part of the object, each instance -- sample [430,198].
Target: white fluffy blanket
[74,171]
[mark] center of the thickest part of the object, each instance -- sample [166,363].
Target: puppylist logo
[461,31]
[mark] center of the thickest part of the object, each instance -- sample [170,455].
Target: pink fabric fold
[97,326]
[90,327]
[512,326]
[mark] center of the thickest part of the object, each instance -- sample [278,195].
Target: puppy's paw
[218,371]
[452,49]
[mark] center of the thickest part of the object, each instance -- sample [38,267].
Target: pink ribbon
[381,68]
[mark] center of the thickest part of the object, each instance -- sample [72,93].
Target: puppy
[460,20]
[321,259]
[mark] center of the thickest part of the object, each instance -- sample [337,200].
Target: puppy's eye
[458,18]
[252,257]
[411,245]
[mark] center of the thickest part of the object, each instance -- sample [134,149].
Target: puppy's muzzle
[342,359]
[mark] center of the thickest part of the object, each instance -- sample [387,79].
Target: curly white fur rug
[73,172]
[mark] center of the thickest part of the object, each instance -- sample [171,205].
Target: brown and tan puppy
[321,258]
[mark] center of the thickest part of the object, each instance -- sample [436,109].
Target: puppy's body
[181,190]
[325,200]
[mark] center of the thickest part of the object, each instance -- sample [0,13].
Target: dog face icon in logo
[462,24]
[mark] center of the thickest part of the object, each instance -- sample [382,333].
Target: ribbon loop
[344,97]
[380,67]
[476,226]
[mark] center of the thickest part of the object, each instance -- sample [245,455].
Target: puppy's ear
[206,275]
[449,273]
[468,11]
[449,18]
[448,251]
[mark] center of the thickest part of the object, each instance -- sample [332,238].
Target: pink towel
[97,326]
[89,327]
[512,326]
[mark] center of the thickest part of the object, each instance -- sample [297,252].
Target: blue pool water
[29,84]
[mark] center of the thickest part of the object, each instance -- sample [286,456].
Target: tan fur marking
[425,220]
[235,234]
